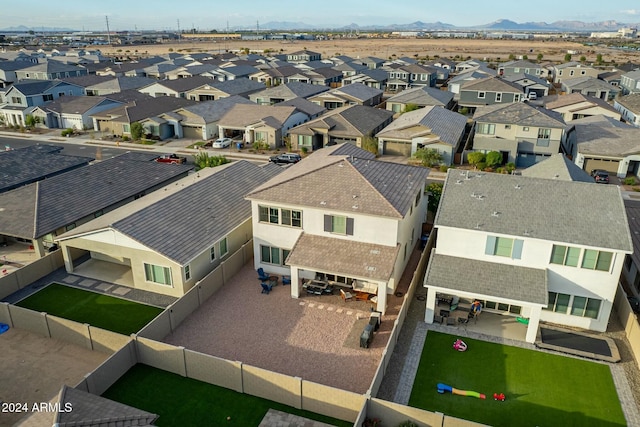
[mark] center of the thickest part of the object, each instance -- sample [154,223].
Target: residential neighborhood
[289,237]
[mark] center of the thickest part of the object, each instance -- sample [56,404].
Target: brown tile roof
[344,257]
[345,184]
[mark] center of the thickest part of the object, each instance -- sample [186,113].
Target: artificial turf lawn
[181,401]
[102,311]
[541,389]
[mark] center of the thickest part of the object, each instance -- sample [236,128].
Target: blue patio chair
[286,280]
[266,288]
[262,275]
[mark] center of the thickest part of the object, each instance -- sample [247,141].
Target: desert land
[490,50]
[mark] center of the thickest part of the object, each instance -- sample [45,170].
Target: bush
[66,132]
[125,138]
[481,166]
[407,423]
[444,168]
[493,158]
[475,158]
[510,167]
[629,181]
[427,156]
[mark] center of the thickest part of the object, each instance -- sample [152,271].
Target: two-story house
[557,263]
[303,56]
[32,93]
[281,93]
[50,70]
[522,66]
[629,108]
[571,70]
[534,87]
[422,96]
[402,77]
[630,82]
[523,133]
[343,214]
[489,91]
[353,94]
[578,106]
[373,78]
[178,88]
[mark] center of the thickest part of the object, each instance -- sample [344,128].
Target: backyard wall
[175,314]
[105,375]
[35,270]
[629,322]
[214,370]
[416,281]
[80,334]
[322,399]
[393,414]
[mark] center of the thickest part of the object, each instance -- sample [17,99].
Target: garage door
[604,164]
[397,148]
[192,132]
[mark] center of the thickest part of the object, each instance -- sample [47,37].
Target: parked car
[285,158]
[600,176]
[173,159]
[222,143]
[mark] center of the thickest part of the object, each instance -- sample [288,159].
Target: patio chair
[286,280]
[346,296]
[266,288]
[262,275]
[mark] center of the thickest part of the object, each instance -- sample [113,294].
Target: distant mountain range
[499,25]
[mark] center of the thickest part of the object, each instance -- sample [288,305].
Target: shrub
[510,167]
[501,170]
[304,150]
[481,166]
[493,158]
[629,181]
[407,423]
[428,156]
[66,132]
[475,158]
[125,138]
[464,111]
[136,130]
[444,168]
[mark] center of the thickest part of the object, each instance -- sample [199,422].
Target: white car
[222,143]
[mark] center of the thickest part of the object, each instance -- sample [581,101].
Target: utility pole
[179,36]
[108,32]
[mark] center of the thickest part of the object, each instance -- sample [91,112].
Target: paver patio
[315,338]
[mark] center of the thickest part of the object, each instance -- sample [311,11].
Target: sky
[207,15]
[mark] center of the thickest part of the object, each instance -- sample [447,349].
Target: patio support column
[295,283]
[38,246]
[534,321]
[431,306]
[381,306]
[68,261]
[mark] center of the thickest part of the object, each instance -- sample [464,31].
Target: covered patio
[356,267]
[514,294]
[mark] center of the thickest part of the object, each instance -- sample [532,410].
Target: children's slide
[442,388]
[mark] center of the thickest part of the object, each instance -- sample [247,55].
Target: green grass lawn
[541,389]
[181,401]
[102,311]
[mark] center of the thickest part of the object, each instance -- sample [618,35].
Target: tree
[475,158]
[31,120]
[539,57]
[525,57]
[370,144]
[583,59]
[493,159]
[435,190]
[599,59]
[136,130]
[511,57]
[428,156]
[410,107]
[567,57]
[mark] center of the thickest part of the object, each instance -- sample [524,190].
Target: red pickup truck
[173,159]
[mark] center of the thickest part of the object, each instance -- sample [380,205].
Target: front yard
[103,311]
[541,389]
[181,401]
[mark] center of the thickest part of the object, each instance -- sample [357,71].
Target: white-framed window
[158,274]
[338,224]
[571,72]
[574,305]
[486,129]
[498,96]
[481,95]
[565,255]
[212,253]
[305,140]
[507,127]
[525,129]
[544,133]
[273,255]
[516,97]
[596,260]
[223,247]
[504,246]
[187,272]
[280,216]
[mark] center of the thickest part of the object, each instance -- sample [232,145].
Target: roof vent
[355,206]
[526,233]
[517,187]
[474,195]
[323,203]
[355,196]
[495,214]
[458,181]
[478,226]
[375,251]
[370,268]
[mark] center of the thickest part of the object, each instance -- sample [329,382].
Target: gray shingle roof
[630,102]
[601,137]
[180,229]
[291,90]
[558,167]
[423,96]
[562,211]
[346,183]
[358,91]
[34,87]
[519,113]
[211,111]
[352,121]
[491,84]
[447,125]
[238,86]
[40,208]
[301,104]
[92,410]
[479,278]
[344,257]
[26,165]
[588,82]
[633,215]
[73,104]
[185,84]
